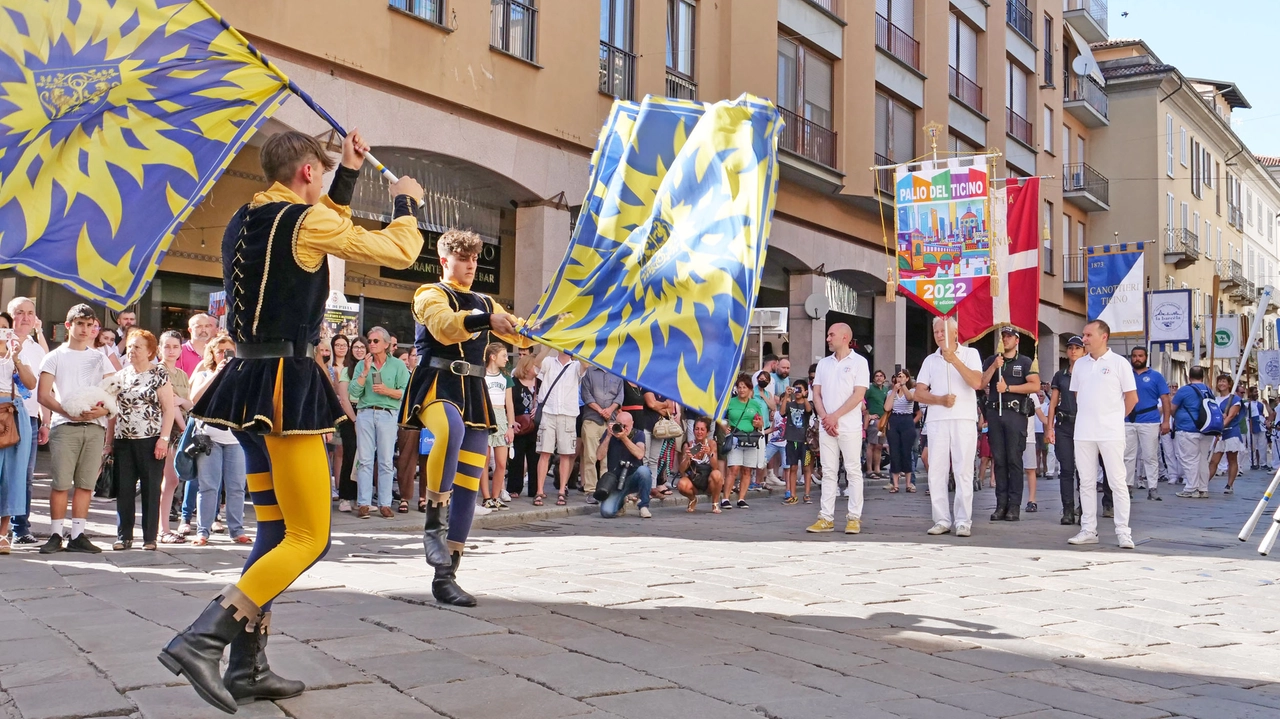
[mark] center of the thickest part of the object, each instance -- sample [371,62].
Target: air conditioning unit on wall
[769,320]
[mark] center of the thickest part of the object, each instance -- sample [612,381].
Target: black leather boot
[1012,514]
[435,532]
[1001,511]
[446,590]
[196,652]
[249,676]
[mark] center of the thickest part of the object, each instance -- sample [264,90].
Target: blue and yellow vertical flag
[664,264]
[116,118]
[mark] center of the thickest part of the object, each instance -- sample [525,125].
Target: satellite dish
[1080,65]
[816,306]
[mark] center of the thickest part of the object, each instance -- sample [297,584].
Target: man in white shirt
[558,433]
[947,384]
[839,385]
[75,442]
[1106,391]
[23,311]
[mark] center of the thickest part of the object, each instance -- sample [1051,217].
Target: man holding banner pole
[1144,426]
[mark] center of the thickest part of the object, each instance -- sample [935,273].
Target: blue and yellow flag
[663,268]
[116,118]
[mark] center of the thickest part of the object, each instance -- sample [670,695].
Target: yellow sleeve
[432,310]
[327,230]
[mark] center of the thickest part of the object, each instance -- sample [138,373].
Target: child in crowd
[797,411]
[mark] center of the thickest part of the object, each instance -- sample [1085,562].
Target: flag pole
[293,87]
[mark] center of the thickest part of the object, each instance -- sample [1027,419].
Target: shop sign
[427,267]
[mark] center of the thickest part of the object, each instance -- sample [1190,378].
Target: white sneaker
[645,513]
[962,530]
[1084,537]
[505,497]
[344,505]
[482,510]
[1125,541]
[939,528]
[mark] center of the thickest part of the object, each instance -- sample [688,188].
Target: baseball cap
[1076,341]
[1008,330]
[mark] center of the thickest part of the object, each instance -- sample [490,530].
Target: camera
[616,428]
[200,444]
[229,354]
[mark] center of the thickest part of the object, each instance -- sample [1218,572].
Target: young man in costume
[447,395]
[277,399]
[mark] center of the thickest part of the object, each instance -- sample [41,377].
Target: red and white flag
[1015,253]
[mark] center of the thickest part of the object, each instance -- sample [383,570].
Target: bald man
[839,384]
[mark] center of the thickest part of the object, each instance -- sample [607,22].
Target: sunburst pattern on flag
[662,272]
[116,118]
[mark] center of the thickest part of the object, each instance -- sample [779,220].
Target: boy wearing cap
[1010,377]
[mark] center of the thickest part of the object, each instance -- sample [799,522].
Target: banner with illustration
[1169,319]
[943,230]
[1269,368]
[1226,338]
[340,317]
[1115,278]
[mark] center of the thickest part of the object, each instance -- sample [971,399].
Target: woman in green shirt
[743,419]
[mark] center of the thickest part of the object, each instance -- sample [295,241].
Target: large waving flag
[116,118]
[1016,255]
[662,272]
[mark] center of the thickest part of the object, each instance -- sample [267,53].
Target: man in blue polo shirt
[1144,425]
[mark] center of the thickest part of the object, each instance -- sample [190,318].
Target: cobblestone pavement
[708,616]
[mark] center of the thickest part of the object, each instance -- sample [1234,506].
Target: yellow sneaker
[822,525]
[853,526]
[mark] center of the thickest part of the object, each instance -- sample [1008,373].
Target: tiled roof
[1110,72]
[1268,160]
[1115,42]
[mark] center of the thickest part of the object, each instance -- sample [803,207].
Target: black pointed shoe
[196,652]
[435,532]
[249,676]
[446,590]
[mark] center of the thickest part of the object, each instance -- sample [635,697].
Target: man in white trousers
[1105,392]
[839,385]
[1193,447]
[947,383]
[1170,469]
[1146,424]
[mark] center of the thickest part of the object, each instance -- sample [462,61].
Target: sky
[1228,40]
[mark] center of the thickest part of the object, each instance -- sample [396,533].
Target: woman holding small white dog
[13,459]
[141,437]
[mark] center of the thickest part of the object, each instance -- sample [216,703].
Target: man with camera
[623,451]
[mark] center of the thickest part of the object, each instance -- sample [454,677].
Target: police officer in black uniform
[1062,424]
[1010,378]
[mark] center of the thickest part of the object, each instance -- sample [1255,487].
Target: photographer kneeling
[623,452]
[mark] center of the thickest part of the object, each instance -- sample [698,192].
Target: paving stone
[909,680]
[170,702]
[437,666]
[308,624]
[135,670]
[371,645]
[27,674]
[783,667]
[918,641]
[580,676]
[431,624]
[670,704]
[508,697]
[1215,708]
[23,628]
[319,670]
[378,700]
[1119,689]
[991,703]
[860,689]
[498,646]
[71,699]
[1069,700]
[636,653]
[820,706]
[918,708]
[736,685]
[1262,696]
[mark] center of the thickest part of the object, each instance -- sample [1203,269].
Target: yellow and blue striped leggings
[455,464]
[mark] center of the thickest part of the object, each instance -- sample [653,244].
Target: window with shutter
[817,89]
[904,133]
[1168,145]
[788,70]
[883,122]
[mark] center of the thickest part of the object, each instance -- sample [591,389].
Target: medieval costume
[279,403]
[447,395]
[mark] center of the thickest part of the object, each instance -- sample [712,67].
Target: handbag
[666,428]
[883,424]
[537,414]
[105,487]
[524,424]
[9,435]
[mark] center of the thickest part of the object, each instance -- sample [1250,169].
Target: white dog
[104,395]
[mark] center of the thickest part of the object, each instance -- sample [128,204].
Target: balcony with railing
[1230,273]
[808,139]
[897,42]
[1245,291]
[1087,17]
[831,7]
[1073,277]
[1085,99]
[1018,15]
[681,87]
[617,72]
[1019,127]
[884,177]
[513,28]
[1235,216]
[1085,187]
[965,91]
[1182,246]
[430,10]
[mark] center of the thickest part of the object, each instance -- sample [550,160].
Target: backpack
[1209,419]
